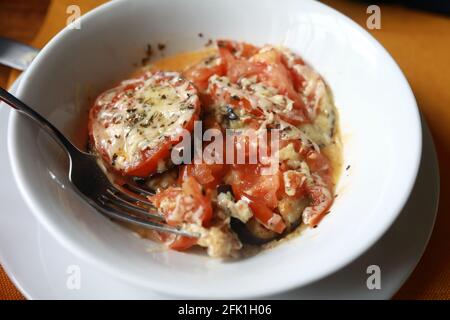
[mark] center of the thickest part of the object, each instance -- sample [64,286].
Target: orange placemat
[420,43]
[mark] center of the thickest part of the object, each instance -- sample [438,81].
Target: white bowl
[378,116]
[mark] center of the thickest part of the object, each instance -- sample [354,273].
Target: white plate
[38,264]
[380,126]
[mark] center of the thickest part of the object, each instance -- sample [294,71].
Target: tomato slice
[199,74]
[247,179]
[321,201]
[182,243]
[134,125]
[269,66]
[208,175]
[266,216]
[260,192]
[295,117]
[320,164]
[240,49]
[237,67]
[277,75]
[185,204]
[177,242]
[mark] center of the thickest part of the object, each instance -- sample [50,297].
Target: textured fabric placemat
[420,43]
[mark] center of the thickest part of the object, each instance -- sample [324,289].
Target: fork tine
[135,201]
[139,190]
[129,195]
[110,210]
[134,209]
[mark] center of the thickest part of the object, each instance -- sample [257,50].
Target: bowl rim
[33,202]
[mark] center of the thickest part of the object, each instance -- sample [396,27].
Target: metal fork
[15,54]
[90,182]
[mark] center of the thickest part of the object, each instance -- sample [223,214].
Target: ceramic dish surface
[379,122]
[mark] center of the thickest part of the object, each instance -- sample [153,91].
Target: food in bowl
[239,143]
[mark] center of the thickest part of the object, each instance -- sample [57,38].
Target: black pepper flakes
[114,158]
[161,46]
[209,43]
[209,60]
[148,55]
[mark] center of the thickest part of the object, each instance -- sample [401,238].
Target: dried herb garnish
[149,50]
[114,158]
[148,55]
[161,46]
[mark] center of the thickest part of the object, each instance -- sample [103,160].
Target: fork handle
[20,106]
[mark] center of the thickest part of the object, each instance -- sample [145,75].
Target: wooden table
[420,43]
[19,20]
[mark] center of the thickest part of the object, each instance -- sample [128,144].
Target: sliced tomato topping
[177,242]
[320,164]
[185,204]
[238,67]
[321,201]
[241,49]
[295,182]
[182,243]
[269,66]
[264,187]
[295,117]
[134,125]
[277,75]
[200,73]
[263,214]
[208,175]
[222,96]
[260,192]
[297,80]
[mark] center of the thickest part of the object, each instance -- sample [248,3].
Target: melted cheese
[317,98]
[132,121]
[220,242]
[239,210]
[219,239]
[260,96]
